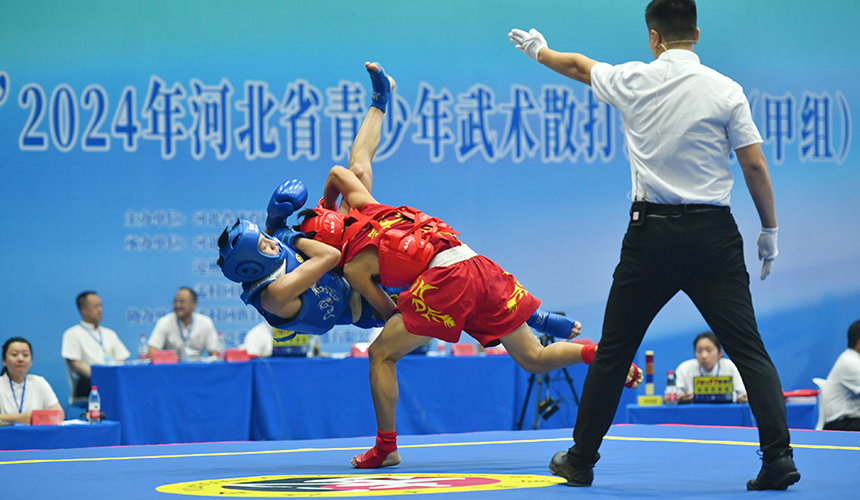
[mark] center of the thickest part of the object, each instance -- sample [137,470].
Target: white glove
[528,43]
[767,250]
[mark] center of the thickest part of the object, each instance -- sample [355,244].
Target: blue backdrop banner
[132,133]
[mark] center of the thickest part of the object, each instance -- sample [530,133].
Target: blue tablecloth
[299,398]
[799,416]
[50,437]
[181,403]
[309,398]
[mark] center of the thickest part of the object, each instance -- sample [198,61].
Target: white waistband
[452,256]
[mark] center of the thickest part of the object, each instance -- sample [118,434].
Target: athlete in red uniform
[452,289]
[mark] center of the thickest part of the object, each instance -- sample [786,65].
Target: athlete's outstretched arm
[280,297]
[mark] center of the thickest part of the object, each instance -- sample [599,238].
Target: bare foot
[368,460]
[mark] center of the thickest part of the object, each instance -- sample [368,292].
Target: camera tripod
[544,407]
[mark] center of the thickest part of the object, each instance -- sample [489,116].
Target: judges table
[179,403]
[50,437]
[799,416]
[310,398]
[326,398]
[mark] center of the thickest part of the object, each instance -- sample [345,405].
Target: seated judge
[89,343]
[188,333]
[709,362]
[20,391]
[841,399]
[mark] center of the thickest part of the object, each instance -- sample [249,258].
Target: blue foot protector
[381,88]
[551,323]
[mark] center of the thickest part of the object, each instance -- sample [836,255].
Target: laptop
[713,389]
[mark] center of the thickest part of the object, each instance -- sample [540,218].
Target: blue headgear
[241,260]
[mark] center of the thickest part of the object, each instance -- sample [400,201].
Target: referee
[681,120]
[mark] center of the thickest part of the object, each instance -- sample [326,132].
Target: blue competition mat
[637,461]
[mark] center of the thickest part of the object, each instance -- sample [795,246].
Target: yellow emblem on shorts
[417,290]
[518,293]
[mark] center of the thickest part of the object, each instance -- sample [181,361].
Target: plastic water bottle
[221,346]
[670,397]
[94,407]
[142,347]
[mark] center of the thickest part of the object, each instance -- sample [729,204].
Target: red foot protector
[386,442]
[588,352]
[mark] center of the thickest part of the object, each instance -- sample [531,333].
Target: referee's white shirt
[681,121]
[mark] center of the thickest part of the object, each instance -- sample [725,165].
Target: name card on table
[165,357]
[236,355]
[46,417]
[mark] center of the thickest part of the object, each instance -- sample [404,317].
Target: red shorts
[476,296]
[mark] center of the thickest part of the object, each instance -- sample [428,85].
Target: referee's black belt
[660,209]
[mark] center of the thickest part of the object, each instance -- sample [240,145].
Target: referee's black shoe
[777,475]
[576,476]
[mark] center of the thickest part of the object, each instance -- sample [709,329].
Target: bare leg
[365,143]
[392,344]
[528,352]
[533,357]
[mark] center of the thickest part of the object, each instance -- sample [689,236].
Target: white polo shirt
[93,345]
[681,121]
[842,390]
[688,370]
[259,340]
[200,335]
[35,393]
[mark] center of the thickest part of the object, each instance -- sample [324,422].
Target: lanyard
[23,391]
[97,339]
[100,340]
[185,336]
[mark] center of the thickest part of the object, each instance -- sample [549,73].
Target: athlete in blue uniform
[291,280]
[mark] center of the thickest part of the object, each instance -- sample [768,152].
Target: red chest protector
[404,252]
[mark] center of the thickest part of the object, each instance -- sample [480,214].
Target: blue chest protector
[324,304]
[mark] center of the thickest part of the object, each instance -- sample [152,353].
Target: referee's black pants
[701,254]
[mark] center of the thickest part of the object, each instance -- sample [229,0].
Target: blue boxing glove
[553,324]
[289,197]
[381,88]
[288,235]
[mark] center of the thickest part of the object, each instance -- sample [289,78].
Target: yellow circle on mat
[341,485]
